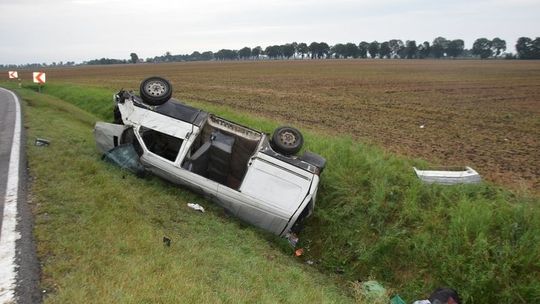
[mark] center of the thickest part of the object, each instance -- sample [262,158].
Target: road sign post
[13,74]
[39,78]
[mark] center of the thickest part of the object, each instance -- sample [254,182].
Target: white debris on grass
[465,175]
[292,238]
[196,207]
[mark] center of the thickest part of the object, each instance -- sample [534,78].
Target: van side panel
[283,189]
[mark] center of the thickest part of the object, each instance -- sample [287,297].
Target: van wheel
[287,140]
[155,91]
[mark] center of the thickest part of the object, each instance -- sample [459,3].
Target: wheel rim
[288,138]
[156,88]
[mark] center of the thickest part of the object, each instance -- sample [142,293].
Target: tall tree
[313,49]
[256,52]
[273,51]
[208,55]
[268,51]
[524,48]
[225,54]
[351,50]
[411,49]
[220,55]
[339,50]
[168,56]
[482,48]
[423,50]
[373,49]
[195,56]
[536,48]
[439,47]
[385,50]
[244,53]
[324,50]
[134,58]
[455,48]
[295,47]
[396,46]
[363,49]
[528,48]
[302,49]
[498,45]
[288,50]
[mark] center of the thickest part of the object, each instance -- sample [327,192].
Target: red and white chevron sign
[39,77]
[13,75]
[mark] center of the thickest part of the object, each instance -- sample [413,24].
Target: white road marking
[9,235]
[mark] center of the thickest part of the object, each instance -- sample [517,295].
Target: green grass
[373,218]
[99,231]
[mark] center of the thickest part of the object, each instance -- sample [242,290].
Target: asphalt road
[19,267]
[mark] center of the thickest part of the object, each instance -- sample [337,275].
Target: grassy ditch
[373,218]
[99,231]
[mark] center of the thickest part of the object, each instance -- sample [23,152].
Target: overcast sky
[78,30]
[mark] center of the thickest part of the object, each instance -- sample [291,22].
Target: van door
[269,195]
[279,186]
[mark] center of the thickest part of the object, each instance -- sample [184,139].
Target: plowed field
[485,114]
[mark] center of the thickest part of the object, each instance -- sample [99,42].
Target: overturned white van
[254,177]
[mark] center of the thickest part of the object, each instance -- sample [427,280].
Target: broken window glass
[126,158]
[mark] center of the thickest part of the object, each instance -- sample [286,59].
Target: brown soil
[485,114]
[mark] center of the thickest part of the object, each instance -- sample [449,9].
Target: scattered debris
[167,241]
[299,252]
[373,292]
[310,262]
[397,300]
[450,176]
[445,295]
[441,295]
[292,238]
[196,207]
[41,142]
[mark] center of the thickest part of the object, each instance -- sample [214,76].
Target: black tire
[287,140]
[155,91]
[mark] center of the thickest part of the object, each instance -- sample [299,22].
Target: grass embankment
[99,231]
[373,218]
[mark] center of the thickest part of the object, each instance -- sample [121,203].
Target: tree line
[440,47]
